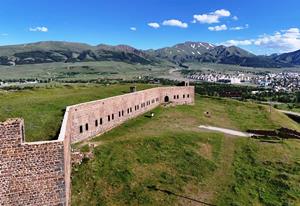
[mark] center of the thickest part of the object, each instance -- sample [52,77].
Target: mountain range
[57,51]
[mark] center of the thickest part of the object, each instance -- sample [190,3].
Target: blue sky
[261,26]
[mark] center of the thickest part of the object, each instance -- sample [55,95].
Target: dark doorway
[166,99]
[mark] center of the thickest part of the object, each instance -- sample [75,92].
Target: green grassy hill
[169,152]
[168,160]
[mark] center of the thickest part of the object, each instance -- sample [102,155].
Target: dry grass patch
[206,150]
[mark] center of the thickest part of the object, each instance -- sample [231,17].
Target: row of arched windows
[183,96]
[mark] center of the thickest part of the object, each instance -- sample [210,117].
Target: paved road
[226,131]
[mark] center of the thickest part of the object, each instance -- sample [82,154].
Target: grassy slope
[264,174]
[43,108]
[169,152]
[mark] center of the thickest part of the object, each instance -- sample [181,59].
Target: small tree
[298,97]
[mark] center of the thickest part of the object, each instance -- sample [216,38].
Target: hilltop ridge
[187,52]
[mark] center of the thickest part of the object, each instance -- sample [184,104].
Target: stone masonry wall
[93,118]
[30,173]
[39,173]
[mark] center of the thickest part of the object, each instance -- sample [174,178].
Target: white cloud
[39,29]
[281,41]
[238,42]
[235,18]
[175,22]
[285,40]
[3,34]
[222,13]
[213,17]
[237,28]
[133,28]
[205,18]
[218,28]
[154,25]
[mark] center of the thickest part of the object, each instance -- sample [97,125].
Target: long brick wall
[39,173]
[93,118]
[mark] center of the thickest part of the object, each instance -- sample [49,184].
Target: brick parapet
[30,173]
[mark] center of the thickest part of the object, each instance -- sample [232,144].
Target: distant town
[283,81]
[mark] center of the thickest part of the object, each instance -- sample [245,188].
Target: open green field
[167,160]
[82,71]
[43,108]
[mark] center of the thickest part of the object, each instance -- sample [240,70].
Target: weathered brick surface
[86,118]
[39,173]
[30,173]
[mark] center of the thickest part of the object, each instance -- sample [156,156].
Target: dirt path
[226,131]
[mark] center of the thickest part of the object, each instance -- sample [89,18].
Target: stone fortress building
[38,173]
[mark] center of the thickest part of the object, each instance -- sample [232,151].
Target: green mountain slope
[56,51]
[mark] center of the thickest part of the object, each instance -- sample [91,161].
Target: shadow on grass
[148,116]
[271,141]
[268,139]
[168,192]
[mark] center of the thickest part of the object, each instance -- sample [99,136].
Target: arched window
[167,99]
